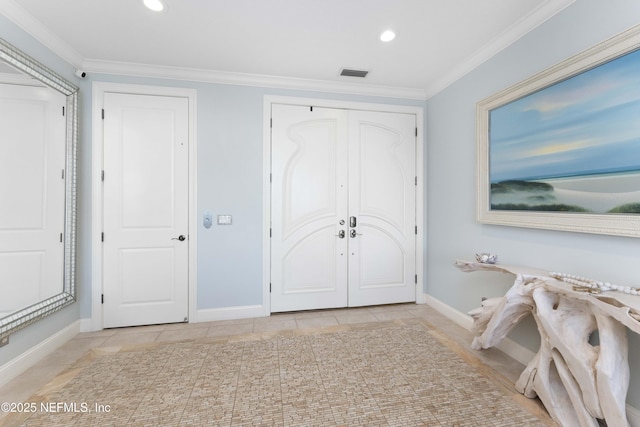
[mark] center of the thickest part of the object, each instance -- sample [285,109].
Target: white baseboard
[86,325]
[458,318]
[421,298]
[509,347]
[18,365]
[230,313]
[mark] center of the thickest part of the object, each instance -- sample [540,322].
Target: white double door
[145,214]
[343,208]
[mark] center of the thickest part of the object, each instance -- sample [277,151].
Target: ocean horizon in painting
[571,147]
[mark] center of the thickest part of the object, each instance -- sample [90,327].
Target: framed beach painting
[561,150]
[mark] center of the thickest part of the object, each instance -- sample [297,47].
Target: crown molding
[34,27]
[528,23]
[37,30]
[246,79]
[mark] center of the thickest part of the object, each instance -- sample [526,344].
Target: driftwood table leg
[578,382]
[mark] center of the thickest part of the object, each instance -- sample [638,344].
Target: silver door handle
[353,234]
[341,234]
[180,237]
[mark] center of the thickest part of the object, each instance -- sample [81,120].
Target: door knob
[180,237]
[353,233]
[341,234]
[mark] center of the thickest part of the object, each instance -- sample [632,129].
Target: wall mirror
[38,139]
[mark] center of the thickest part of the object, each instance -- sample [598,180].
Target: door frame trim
[97,208]
[269,100]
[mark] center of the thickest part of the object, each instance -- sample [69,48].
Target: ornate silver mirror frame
[25,316]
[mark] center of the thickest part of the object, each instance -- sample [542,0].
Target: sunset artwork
[573,146]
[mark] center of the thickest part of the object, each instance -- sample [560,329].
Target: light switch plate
[225,219]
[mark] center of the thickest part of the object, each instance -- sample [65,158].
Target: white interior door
[329,167]
[309,199]
[382,202]
[32,195]
[145,253]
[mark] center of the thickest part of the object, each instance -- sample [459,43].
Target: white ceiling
[301,43]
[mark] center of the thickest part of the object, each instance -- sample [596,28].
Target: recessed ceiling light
[387,36]
[155,5]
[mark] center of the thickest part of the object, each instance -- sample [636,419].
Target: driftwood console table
[578,382]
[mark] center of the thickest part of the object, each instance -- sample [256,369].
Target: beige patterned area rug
[400,373]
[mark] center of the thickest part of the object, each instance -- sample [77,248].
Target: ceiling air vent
[353,73]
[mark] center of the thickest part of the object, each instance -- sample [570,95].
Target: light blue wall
[230,150]
[230,181]
[452,230]
[230,139]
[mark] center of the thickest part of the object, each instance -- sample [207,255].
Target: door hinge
[270,177]
[416,279]
[271,123]
[62,173]
[270,235]
[102,176]
[102,299]
[60,237]
[311,108]
[63,111]
[269,287]
[416,229]
[416,131]
[102,236]
[416,181]
[103,114]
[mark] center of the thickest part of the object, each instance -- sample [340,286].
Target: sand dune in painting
[605,193]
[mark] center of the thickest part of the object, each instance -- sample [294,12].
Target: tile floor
[398,365]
